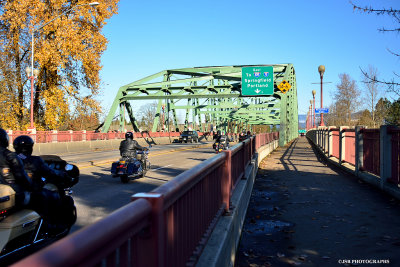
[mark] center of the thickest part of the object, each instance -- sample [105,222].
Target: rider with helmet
[45,201]
[217,135]
[128,147]
[35,167]
[12,172]
[222,139]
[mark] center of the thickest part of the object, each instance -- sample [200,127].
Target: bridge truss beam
[211,95]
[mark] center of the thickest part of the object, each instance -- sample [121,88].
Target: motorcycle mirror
[68,167]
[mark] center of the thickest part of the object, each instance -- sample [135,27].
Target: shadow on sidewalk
[303,212]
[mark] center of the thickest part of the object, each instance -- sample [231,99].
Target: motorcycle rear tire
[124,179]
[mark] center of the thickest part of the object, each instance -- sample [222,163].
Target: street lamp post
[311,115]
[34,72]
[313,94]
[33,75]
[321,70]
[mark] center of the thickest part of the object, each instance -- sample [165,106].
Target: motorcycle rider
[13,174]
[217,135]
[128,148]
[222,139]
[48,203]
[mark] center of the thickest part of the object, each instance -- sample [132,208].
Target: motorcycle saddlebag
[7,197]
[114,167]
[133,167]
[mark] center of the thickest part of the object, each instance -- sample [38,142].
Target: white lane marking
[162,167]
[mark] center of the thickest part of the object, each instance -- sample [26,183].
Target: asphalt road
[98,194]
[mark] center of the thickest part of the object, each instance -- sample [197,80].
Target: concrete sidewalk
[303,212]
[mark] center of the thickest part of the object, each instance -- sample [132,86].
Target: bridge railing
[166,227]
[373,151]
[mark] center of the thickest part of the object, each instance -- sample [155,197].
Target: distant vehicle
[189,136]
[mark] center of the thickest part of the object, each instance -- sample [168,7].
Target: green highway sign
[257,81]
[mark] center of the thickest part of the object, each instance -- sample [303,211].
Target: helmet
[4,139]
[129,135]
[23,144]
[219,132]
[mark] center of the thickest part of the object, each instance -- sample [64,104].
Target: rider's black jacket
[222,138]
[12,173]
[36,168]
[128,148]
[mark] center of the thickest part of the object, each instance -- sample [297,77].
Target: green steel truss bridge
[211,96]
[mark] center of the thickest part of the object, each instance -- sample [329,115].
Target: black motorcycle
[23,230]
[221,144]
[128,167]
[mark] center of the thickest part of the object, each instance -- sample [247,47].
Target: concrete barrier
[221,247]
[95,145]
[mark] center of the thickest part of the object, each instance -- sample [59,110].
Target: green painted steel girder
[213,96]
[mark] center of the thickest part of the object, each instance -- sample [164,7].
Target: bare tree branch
[393,53]
[392,86]
[384,11]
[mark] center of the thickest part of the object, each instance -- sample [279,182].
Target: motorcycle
[128,167]
[220,145]
[24,230]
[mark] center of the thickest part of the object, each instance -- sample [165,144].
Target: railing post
[152,249]
[330,141]
[326,138]
[342,144]
[385,155]
[54,137]
[84,135]
[227,180]
[359,149]
[32,133]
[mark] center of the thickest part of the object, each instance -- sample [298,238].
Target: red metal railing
[166,227]
[371,150]
[350,146]
[124,231]
[395,140]
[335,142]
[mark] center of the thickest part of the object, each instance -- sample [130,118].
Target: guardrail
[367,151]
[166,227]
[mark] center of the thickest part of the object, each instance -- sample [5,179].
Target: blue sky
[146,37]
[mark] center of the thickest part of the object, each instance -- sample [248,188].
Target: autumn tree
[334,117]
[68,44]
[366,119]
[381,110]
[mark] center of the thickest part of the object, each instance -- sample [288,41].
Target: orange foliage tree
[68,44]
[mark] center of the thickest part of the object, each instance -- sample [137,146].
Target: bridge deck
[303,212]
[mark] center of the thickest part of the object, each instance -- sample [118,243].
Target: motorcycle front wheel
[124,178]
